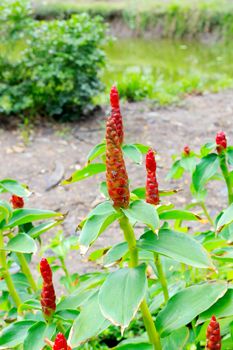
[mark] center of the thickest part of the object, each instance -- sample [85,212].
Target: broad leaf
[122,293]
[115,253]
[179,215]
[21,243]
[5,211]
[176,340]
[89,323]
[143,212]
[132,152]
[74,300]
[207,168]
[38,230]
[176,245]
[96,151]
[140,192]
[14,334]
[184,306]
[87,171]
[36,335]
[14,187]
[142,148]
[230,155]
[226,218]
[188,163]
[176,171]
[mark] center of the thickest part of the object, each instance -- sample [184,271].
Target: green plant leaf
[176,171]
[184,306]
[207,168]
[176,245]
[140,192]
[103,208]
[96,151]
[89,323]
[134,346]
[21,243]
[128,288]
[46,226]
[36,335]
[87,171]
[132,152]
[115,253]
[13,187]
[176,340]
[143,212]
[5,211]
[14,334]
[74,300]
[142,148]
[179,215]
[230,155]
[225,219]
[188,163]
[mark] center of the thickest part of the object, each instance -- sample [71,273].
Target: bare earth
[67,145]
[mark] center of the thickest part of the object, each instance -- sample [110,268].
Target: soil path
[195,122]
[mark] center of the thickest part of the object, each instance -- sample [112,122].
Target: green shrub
[57,70]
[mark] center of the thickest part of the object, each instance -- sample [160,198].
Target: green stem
[63,265]
[225,172]
[162,277]
[147,317]
[26,270]
[6,274]
[203,206]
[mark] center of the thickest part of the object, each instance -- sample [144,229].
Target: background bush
[49,68]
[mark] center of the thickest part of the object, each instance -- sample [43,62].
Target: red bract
[17,202]
[213,335]
[186,150]
[48,297]
[152,190]
[116,175]
[61,343]
[116,113]
[221,141]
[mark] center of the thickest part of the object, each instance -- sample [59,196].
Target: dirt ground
[65,147]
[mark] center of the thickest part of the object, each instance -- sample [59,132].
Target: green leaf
[14,334]
[103,208]
[230,155]
[89,323]
[140,192]
[87,171]
[115,253]
[5,211]
[104,189]
[38,230]
[96,151]
[176,340]
[176,171]
[132,152]
[21,243]
[188,163]
[134,346]
[36,335]
[14,187]
[225,219]
[223,308]
[207,168]
[143,212]
[74,300]
[121,294]
[207,148]
[179,215]
[142,148]
[184,306]
[176,245]
[23,216]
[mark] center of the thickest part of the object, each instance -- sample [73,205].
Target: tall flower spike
[48,297]
[152,189]
[221,141]
[61,343]
[17,202]
[116,175]
[213,335]
[116,113]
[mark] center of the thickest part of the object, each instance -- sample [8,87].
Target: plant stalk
[26,270]
[6,274]
[203,206]
[147,317]
[63,265]
[162,277]
[225,172]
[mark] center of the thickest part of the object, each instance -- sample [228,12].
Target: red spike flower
[186,150]
[213,335]
[221,141]
[61,343]
[116,175]
[116,113]
[48,297]
[152,188]
[17,202]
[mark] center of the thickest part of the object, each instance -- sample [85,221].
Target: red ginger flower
[61,343]
[186,150]
[17,202]
[48,297]
[213,335]
[152,188]
[221,141]
[116,113]
[116,175]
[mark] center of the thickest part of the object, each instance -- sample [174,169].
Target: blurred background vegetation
[57,57]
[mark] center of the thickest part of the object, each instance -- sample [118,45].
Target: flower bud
[152,189]
[221,141]
[116,113]
[213,335]
[61,343]
[186,150]
[17,202]
[116,175]
[48,297]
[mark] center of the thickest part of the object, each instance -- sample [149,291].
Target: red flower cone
[48,297]
[17,202]
[116,175]
[152,189]
[61,343]
[116,113]
[213,335]
[221,141]
[186,150]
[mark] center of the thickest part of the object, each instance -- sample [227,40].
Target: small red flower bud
[116,113]
[152,188]
[17,202]
[116,175]
[213,335]
[61,343]
[186,150]
[48,297]
[221,141]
